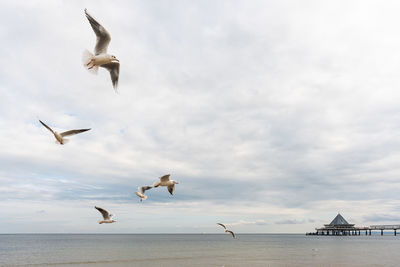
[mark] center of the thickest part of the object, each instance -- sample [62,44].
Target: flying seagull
[165,181]
[106,216]
[227,231]
[100,57]
[141,190]
[60,136]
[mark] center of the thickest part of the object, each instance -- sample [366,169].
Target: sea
[217,250]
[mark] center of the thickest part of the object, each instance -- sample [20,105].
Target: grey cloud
[290,222]
[262,106]
[382,218]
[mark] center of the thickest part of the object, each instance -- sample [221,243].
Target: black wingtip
[87,14]
[115,86]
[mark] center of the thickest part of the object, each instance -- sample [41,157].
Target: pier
[393,227]
[340,227]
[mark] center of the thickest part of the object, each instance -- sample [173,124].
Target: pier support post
[395,231]
[381,231]
[366,232]
[369,231]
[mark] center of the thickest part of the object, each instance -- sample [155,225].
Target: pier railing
[385,227]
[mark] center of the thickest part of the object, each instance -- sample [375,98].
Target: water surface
[169,250]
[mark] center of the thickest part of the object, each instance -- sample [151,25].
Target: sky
[272,116]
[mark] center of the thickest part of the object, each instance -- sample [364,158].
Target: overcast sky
[273,116]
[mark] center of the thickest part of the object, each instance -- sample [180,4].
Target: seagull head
[114,59]
[175,182]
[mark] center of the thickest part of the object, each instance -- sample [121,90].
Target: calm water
[197,250]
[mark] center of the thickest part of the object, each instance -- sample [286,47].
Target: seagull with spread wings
[100,57]
[227,231]
[106,216]
[60,136]
[141,190]
[165,181]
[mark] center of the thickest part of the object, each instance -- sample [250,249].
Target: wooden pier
[340,227]
[393,227]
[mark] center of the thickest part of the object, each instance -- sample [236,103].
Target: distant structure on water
[339,227]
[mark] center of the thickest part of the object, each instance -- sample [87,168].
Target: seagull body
[60,136]
[100,60]
[106,216]
[165,181]
[227,231]
[100,57]
[142,190]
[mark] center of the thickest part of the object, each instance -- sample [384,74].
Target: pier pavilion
[339,226]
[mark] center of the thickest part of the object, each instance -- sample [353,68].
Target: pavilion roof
[339,220]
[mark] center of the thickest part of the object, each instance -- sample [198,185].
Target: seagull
[100,57]
[165,181]
[106,216]
[227,231]
[60,136]
[141,190]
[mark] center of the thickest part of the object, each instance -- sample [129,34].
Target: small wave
[98,262]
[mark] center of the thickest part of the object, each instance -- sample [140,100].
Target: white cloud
[260,110]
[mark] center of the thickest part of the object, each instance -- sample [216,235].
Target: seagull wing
[113,68]
[72,132]
[143,189]
[103,37]
[48,128]
[147,187]
[171,189]
[222,225]
[232,233]
[106,215]
[165,178]
[140,190]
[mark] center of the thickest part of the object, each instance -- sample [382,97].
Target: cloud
[262,111]
[244,222]
[290,222]
[382,218]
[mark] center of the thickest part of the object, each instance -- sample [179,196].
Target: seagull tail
[87,62]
